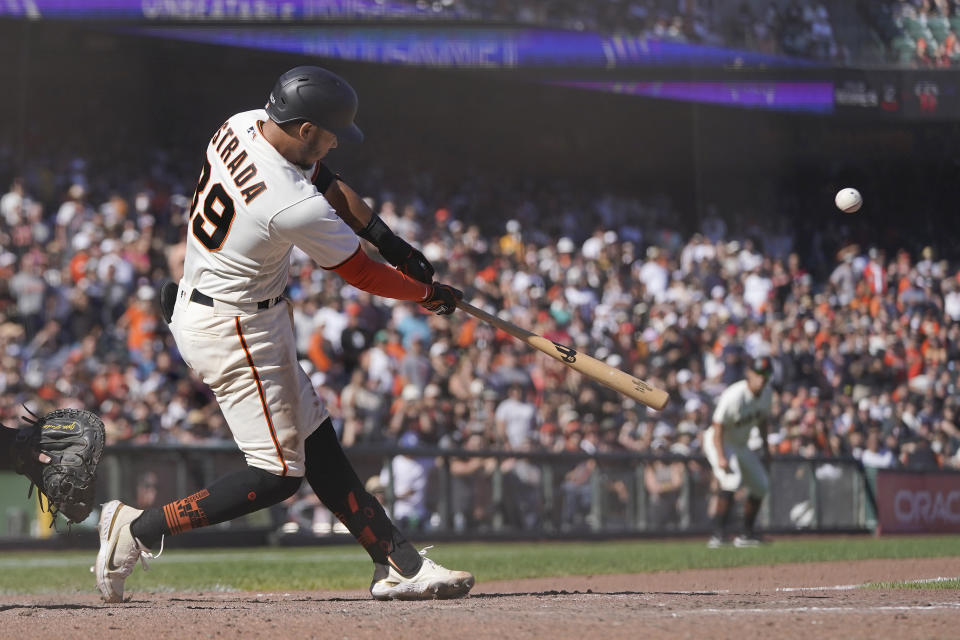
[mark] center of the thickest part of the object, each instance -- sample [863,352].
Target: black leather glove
[397,251]
[442,299]
[72,440]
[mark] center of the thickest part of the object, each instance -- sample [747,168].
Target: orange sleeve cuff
[380,279]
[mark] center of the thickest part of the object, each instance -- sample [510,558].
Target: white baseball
[848,200]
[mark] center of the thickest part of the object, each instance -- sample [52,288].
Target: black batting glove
[415,265]
[442,299]
[397,251]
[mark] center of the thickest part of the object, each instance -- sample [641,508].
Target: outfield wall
[477,494]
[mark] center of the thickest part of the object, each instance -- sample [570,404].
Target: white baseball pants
[248,357]
[746,469]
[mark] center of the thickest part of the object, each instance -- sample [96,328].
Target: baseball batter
[742,406]
[263,190]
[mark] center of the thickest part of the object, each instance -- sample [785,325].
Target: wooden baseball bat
[591,367]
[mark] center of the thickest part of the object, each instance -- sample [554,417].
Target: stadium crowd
[918,33]
[866,357]
[865,343]
[794,27]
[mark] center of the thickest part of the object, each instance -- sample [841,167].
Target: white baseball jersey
[251,207]
[738,410]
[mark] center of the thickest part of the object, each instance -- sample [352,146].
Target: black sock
[234,495]
[333,479]
[722,515]
[750,511]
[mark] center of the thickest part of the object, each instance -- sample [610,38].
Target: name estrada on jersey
[250,208]
[738,410]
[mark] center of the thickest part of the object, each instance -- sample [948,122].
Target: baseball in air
[848,200]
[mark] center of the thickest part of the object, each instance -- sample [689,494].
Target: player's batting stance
[262,190]
[741,406]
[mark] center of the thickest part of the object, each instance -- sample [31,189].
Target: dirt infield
[783,601]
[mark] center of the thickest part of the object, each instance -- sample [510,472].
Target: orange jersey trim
[263,398]
[380,279]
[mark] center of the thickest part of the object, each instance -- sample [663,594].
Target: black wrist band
[376,231]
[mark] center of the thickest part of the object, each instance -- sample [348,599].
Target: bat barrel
[594,369]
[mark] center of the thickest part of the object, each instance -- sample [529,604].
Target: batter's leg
[750,511]
[127,535]
[757,483]
[234,495]
[333,479]
[722,516]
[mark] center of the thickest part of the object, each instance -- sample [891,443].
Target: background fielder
[262,190]
[743,405]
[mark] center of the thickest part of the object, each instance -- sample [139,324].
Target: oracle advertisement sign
[918,502]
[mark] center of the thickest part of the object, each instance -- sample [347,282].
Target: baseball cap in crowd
[145,293]
[762,365]
[565,245]
[688,428]
[662,431]
[373,485]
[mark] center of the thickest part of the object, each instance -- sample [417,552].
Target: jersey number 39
[211,224]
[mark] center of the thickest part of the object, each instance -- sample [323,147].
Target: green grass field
[347,567]
[941,584]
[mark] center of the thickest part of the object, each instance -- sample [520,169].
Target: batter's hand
[442,299]
[416,266]
[724,464]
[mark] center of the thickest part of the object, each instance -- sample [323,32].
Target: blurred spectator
[515,419]
[375,487]
[663,481]
[146,490]
[521,486]
[470,491]
[408,477]
[874,454]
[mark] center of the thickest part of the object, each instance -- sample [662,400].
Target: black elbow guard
[323,178]
[393,248]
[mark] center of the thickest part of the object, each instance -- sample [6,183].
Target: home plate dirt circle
[792,601]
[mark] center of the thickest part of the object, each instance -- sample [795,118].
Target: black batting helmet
[318,96]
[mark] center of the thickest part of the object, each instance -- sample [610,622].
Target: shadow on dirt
[591,592]
[550,594]
[52,607]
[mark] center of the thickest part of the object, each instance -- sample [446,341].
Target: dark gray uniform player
[262,191]
[741,407]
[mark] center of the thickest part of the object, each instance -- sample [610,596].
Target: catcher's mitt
[73,438]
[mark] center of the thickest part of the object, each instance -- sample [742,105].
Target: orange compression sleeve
[380,279]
